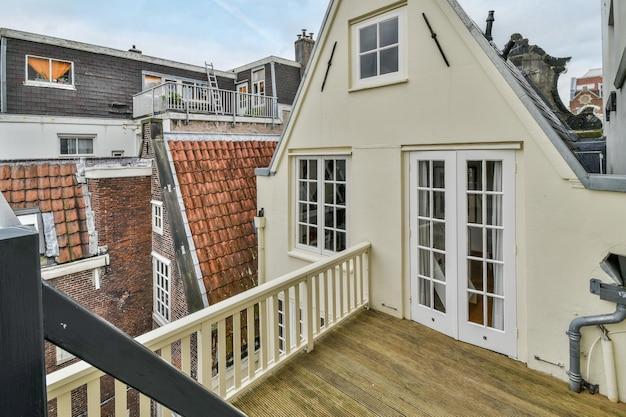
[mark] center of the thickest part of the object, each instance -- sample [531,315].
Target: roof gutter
[620,77]
[182,249]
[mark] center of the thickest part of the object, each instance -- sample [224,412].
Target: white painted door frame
[455,322]
[431,316]
[503,341]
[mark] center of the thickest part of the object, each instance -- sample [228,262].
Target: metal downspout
[575,378]
[3,74]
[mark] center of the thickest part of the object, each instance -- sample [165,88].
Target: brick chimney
[304,48]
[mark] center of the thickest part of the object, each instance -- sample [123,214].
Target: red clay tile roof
[218,187]
[52,187]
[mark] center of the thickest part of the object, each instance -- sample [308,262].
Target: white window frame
[63,356]
[257,83]
[385,79]
[319,249]
[77,137]
[32,217]
[160,318]
[51,84]
[157,217]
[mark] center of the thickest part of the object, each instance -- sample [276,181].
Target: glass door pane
[431,221]
[485,236]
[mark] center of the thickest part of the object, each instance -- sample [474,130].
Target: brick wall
[163,244]
[201,126]
[122,216]
[104,84]
[287,83]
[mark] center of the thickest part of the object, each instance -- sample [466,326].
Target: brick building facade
[94,223]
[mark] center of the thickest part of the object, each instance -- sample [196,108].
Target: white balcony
[195,99]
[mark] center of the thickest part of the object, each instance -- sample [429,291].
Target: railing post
[235,106]
[366,276]
[309,314]
[23,377]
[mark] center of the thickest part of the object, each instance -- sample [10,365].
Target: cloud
[562,29]
[234,32]
[243,18]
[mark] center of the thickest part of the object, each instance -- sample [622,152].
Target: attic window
[378,47]
[48,72]
[32,218]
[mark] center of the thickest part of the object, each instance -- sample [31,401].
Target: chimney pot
[489,29]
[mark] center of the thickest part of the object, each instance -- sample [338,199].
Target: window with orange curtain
[61,72]
[38,69]
[48,70]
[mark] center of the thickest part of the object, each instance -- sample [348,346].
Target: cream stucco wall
[562,229]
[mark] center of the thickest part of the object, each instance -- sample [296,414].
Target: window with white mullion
[322,203]
[308,202]
[335,204]
[162,288]
[379,48]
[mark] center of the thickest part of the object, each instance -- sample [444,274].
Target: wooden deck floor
[376,365]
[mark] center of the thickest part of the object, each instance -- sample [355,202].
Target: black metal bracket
[330,62]
[592,388]
[94,340]
[434,36]
[608,292]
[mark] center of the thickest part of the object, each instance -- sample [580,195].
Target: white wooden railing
[319,296]
[177,97]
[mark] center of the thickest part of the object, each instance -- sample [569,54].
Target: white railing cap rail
[200,86]
[79,372]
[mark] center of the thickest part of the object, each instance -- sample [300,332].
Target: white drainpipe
[609,369]
[259,223]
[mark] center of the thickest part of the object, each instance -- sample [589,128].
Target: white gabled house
[426,181]
[483,224]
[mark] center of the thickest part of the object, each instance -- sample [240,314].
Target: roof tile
[51,188]
[218,187]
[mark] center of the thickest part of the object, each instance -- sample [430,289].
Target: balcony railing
[195,99]
[279,319]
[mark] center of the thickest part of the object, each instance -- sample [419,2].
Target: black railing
[31,310]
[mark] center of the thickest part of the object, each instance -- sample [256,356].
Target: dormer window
[49,72]
[379,49]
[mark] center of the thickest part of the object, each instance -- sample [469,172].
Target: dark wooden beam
[89,337]
[23,376]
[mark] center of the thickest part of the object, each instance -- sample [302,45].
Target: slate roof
[218,188]
[53,188]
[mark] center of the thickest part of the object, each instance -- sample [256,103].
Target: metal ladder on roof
[216,98]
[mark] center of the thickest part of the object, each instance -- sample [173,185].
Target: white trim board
[67,120]
[267,60]
[233,137]
[56,271]
[117,172]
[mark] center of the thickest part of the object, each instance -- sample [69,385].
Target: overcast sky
[235,32]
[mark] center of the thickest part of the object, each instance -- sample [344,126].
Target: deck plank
[376,365]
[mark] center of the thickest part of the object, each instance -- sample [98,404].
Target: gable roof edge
[302,89]
[596,182]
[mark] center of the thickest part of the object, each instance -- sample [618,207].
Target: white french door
[463,246]
[433,251]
